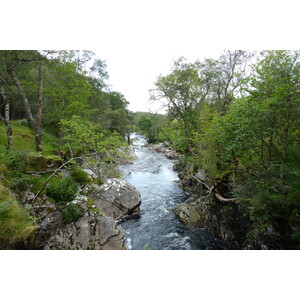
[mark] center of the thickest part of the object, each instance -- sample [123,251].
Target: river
[158,228]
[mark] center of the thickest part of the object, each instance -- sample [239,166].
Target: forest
[235,119]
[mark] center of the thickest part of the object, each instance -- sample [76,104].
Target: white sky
[140,39]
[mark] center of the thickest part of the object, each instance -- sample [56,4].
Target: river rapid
[158,228]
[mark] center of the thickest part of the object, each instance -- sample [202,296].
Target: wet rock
[89,233]
[133,216]
[171,154]
[223,220]
[165,149]
[116,198]
[157,147]
[188,214]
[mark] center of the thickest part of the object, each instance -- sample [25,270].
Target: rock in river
[116,198]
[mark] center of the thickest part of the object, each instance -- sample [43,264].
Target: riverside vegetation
[233,121]
[236,122]
[60,122]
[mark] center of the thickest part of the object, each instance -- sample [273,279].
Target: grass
[24,140]
[16,226]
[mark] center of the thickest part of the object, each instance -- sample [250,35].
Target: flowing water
[158,228]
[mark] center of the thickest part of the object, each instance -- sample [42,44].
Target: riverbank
[50,202]
[206,208]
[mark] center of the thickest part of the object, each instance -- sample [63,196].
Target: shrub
[63,191]
[11,159]
[20,181]
[80,176]
[71,213]
[16,225]
[99,181]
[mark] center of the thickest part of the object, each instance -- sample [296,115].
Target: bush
[99,181]
[11,159]
[20,181]
[71,213]
[16,225]
[63,191]
[80,176]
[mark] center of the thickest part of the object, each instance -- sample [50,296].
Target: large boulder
[188,213]
[158,147]
[222,219]
[116,198]
[91,232]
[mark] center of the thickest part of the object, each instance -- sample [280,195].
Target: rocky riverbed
[158,227]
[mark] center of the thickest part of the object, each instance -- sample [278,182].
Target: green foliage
[16,226]
[99,181]
[21,182]
[147,247]
[91,207]
[71,213]
[207,146]
[62,191]
[80,176]
[241,131]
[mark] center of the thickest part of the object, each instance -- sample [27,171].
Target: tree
[182,93]
[6,118]
[13,60]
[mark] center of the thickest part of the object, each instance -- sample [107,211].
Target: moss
[62,191]
[91,207]
[80,176]
[71,213]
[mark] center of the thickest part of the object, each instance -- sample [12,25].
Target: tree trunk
[38,125]
[6,120]
[22,93]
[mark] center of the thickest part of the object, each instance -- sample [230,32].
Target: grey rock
[116,198]
[188,213]
[89,233]
[48,227]
[201,175]
[90,173]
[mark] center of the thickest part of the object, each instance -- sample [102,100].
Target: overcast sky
[133,72]
[144,39]
[139,40]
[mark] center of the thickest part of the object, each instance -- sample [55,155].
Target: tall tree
[6,118]
[13,60]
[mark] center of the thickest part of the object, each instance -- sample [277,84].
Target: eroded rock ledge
[102,205]
[89,233]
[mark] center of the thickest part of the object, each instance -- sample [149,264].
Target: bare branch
[222,199]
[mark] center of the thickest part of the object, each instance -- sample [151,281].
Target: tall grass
[16,225]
